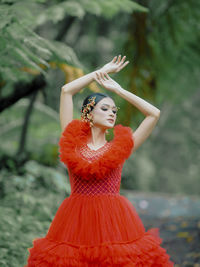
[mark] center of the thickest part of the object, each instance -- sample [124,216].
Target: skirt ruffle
[98,231]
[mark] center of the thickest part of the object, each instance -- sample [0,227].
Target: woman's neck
[97,138]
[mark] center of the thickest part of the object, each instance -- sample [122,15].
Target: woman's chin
[111,124]
[106,125]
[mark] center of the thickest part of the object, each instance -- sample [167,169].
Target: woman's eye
[114,111]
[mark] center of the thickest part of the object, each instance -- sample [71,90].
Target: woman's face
[104,113]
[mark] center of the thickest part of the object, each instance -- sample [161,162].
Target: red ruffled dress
[95,225]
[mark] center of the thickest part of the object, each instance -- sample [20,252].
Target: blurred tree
[161,45]
[25,53]
[22,49]
[164,46]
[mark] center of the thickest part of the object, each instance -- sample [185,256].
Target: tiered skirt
[98,231]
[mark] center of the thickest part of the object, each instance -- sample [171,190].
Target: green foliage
[108,9]
[169,160]
[28,204]
[42,137]
[24,48]
[80,8]
[174,38]
[21,46]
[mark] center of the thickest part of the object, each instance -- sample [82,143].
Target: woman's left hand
[106,81]
[115,65]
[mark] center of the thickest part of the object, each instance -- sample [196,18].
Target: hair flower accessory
[86,115]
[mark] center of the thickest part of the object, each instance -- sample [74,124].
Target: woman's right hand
[106,81]
[115,65]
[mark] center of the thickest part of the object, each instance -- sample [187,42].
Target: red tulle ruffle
[103,231]
[77,133]
[144,252]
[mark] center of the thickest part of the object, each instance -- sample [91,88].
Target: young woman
[95,225]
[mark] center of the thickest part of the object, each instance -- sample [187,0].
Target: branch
[65,26]
[22,89]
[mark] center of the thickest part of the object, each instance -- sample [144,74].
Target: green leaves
[79,8]
[27,208]
[57,12]
[22,48]
[109,9]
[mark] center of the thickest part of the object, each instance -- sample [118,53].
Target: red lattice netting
[107,185]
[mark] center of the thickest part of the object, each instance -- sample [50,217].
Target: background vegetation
[45,44]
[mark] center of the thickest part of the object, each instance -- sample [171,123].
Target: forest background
[45,44]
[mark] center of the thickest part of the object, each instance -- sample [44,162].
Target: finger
[98,75]
[102,76]
[119,58]
[122,66]
[123,59]
[126,63]
[114,59]
[107,76]
[98,79]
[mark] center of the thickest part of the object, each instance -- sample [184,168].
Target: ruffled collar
[76,134]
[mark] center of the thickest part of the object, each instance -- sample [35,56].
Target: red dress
[95,225]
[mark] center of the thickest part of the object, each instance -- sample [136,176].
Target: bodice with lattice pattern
[109,185]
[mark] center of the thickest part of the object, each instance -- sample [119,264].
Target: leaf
[182,234]
[111,8]
[57,12]
[184,224]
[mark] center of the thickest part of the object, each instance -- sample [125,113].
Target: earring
[90,119]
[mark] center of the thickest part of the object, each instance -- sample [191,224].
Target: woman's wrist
[104,70]
[119,90]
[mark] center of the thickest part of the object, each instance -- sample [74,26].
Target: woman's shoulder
[74,134]
[73,123]
[123,135]
[74,128]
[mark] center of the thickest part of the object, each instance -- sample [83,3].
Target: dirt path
[177,217]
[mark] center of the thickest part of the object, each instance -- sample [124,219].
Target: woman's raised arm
[66,97]
[147,125]
[151,112]
[69,89]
